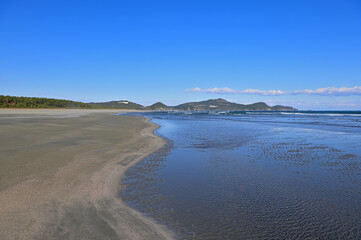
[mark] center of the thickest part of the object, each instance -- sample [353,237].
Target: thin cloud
[330,91]
[345,91]
[224,90]
[262,92]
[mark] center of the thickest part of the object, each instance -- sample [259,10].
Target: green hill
[158,106]
[209,105]
[283,108]
[224,105]
[121,104]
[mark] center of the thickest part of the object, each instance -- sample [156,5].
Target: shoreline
[77,199]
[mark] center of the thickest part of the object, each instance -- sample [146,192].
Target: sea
[252,175]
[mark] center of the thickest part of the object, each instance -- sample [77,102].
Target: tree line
[34,102]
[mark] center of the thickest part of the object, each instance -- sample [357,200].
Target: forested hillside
[34,102]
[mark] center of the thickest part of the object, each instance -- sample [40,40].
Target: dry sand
[60,174]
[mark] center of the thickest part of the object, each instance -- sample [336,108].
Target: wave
[330,114]
[260,113]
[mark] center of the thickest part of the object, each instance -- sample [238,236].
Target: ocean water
[252,175]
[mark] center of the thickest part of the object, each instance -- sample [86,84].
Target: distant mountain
[122,104]
[224,105]
[158,106]
[209,105]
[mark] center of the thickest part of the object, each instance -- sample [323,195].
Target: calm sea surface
[252,175]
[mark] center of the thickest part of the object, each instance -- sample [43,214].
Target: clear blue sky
[147,51]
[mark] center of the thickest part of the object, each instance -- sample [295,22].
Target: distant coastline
[207,105]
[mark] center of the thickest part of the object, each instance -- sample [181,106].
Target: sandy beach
[60,174]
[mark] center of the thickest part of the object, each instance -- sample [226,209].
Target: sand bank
[60,173]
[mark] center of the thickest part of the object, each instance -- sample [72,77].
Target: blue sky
[308,52]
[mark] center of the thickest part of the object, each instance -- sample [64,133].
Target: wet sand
[60,172]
